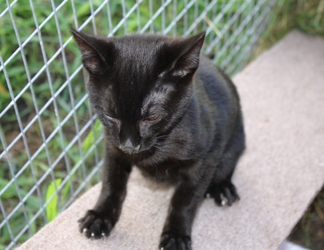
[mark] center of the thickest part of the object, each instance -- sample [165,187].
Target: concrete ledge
[282,94]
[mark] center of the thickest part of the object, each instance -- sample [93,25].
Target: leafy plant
[52,198]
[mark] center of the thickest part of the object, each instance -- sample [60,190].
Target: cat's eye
[112,119]
[111,116]
[152,118]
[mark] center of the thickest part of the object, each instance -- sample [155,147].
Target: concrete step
[282,170]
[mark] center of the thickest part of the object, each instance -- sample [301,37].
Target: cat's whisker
[161,136]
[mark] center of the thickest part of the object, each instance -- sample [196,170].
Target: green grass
[306,16]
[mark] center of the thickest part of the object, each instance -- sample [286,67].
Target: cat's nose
[129,148]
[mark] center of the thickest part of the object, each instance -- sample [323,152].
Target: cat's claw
[94,225]
[224,200]
[175,242]
[223,193]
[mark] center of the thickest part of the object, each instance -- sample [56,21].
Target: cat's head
[139,85]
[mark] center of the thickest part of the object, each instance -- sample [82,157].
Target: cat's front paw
[171,241]
[223,193]
[94,225]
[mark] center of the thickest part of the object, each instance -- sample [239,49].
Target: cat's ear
[186,56]
[97,54]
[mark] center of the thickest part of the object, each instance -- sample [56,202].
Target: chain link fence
[50,142]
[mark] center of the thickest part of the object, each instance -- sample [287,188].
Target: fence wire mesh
[51,144]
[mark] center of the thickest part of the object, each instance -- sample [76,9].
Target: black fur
[171,113]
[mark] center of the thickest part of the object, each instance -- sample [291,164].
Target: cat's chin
[142,150]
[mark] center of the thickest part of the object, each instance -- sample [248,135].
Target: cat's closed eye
[112,117]
[152,118]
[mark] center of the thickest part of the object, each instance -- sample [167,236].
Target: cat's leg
[99,221]
[221,188]
[184,203]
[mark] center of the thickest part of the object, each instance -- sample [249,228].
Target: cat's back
[213,83]
[217,98]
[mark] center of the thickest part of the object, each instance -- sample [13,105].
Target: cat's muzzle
[129,148]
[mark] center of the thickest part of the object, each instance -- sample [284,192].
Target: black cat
[169,112]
